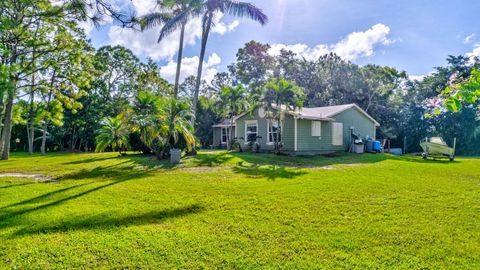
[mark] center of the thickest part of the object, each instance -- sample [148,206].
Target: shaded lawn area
[240,210]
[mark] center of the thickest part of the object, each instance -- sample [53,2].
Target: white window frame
[270,142]
[247,122]
[227,129]
[316,129]
[335,126]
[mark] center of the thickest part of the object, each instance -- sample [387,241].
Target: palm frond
[174,23]
[153,19]
[246,10]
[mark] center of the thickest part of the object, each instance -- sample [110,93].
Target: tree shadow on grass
[106,221]
[271,172]
[419,159]
[112,174]
[210,159]
[43,196]
[16,185]
[89,160]
[149,162]
[310,161]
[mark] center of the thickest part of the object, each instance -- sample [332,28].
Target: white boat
[437,147]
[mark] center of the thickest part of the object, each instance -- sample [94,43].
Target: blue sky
[414,36]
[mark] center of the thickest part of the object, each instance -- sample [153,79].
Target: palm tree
[162,122]
[146,116]
[280,96]
[207,9]
[176,124]
[113,133]
[177,15]
[232,101]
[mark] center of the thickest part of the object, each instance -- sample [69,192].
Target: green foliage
[280,92]
[113,133]
[253,65]
[162,123]
[232,101]
[280,96]
[467,92]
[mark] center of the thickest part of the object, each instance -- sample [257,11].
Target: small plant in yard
[114,134]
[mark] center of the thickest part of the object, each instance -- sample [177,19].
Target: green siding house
[306,131]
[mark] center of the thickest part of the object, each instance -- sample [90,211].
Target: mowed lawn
[241,211]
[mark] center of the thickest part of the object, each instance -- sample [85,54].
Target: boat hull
[436,149]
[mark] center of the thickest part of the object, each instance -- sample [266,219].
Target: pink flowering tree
[459,92]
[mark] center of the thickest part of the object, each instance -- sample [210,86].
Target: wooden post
[454,144]
[404,145]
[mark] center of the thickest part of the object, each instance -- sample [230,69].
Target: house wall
[287,131]
[308,144]
[363,126]
[217,137]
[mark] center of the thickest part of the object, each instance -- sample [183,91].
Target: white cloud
[222,28]
[143,7]
[145,43]
[355,45]
[189,67]
[475,52]
[416,77]
[469,39]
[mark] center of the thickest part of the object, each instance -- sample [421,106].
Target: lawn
[220,210]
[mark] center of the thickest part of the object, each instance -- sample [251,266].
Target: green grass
[220,210]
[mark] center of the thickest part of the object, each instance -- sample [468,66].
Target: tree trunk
[7,128]
[7,124]
[30,125]
[2,107]
[45,121]
[230,135]
[205,33]
[72,141]
[179,61]
[44,137]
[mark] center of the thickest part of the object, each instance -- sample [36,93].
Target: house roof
[325,113]
[328,112]
[224,123]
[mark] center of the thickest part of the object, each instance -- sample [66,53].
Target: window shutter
[316,128]
[337,133]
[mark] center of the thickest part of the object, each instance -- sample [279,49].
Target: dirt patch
[36,177]
[202,169]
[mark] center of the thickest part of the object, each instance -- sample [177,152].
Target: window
[316,128]
[273,131]
[225,134]
[251,131]
[337,133]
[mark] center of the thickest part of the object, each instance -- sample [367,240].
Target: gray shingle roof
[325,113]
[224,123]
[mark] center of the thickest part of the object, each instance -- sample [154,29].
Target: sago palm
[113,133]
[176,124]
[146,118]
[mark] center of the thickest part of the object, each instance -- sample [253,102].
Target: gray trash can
[175,155]
[359,148]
